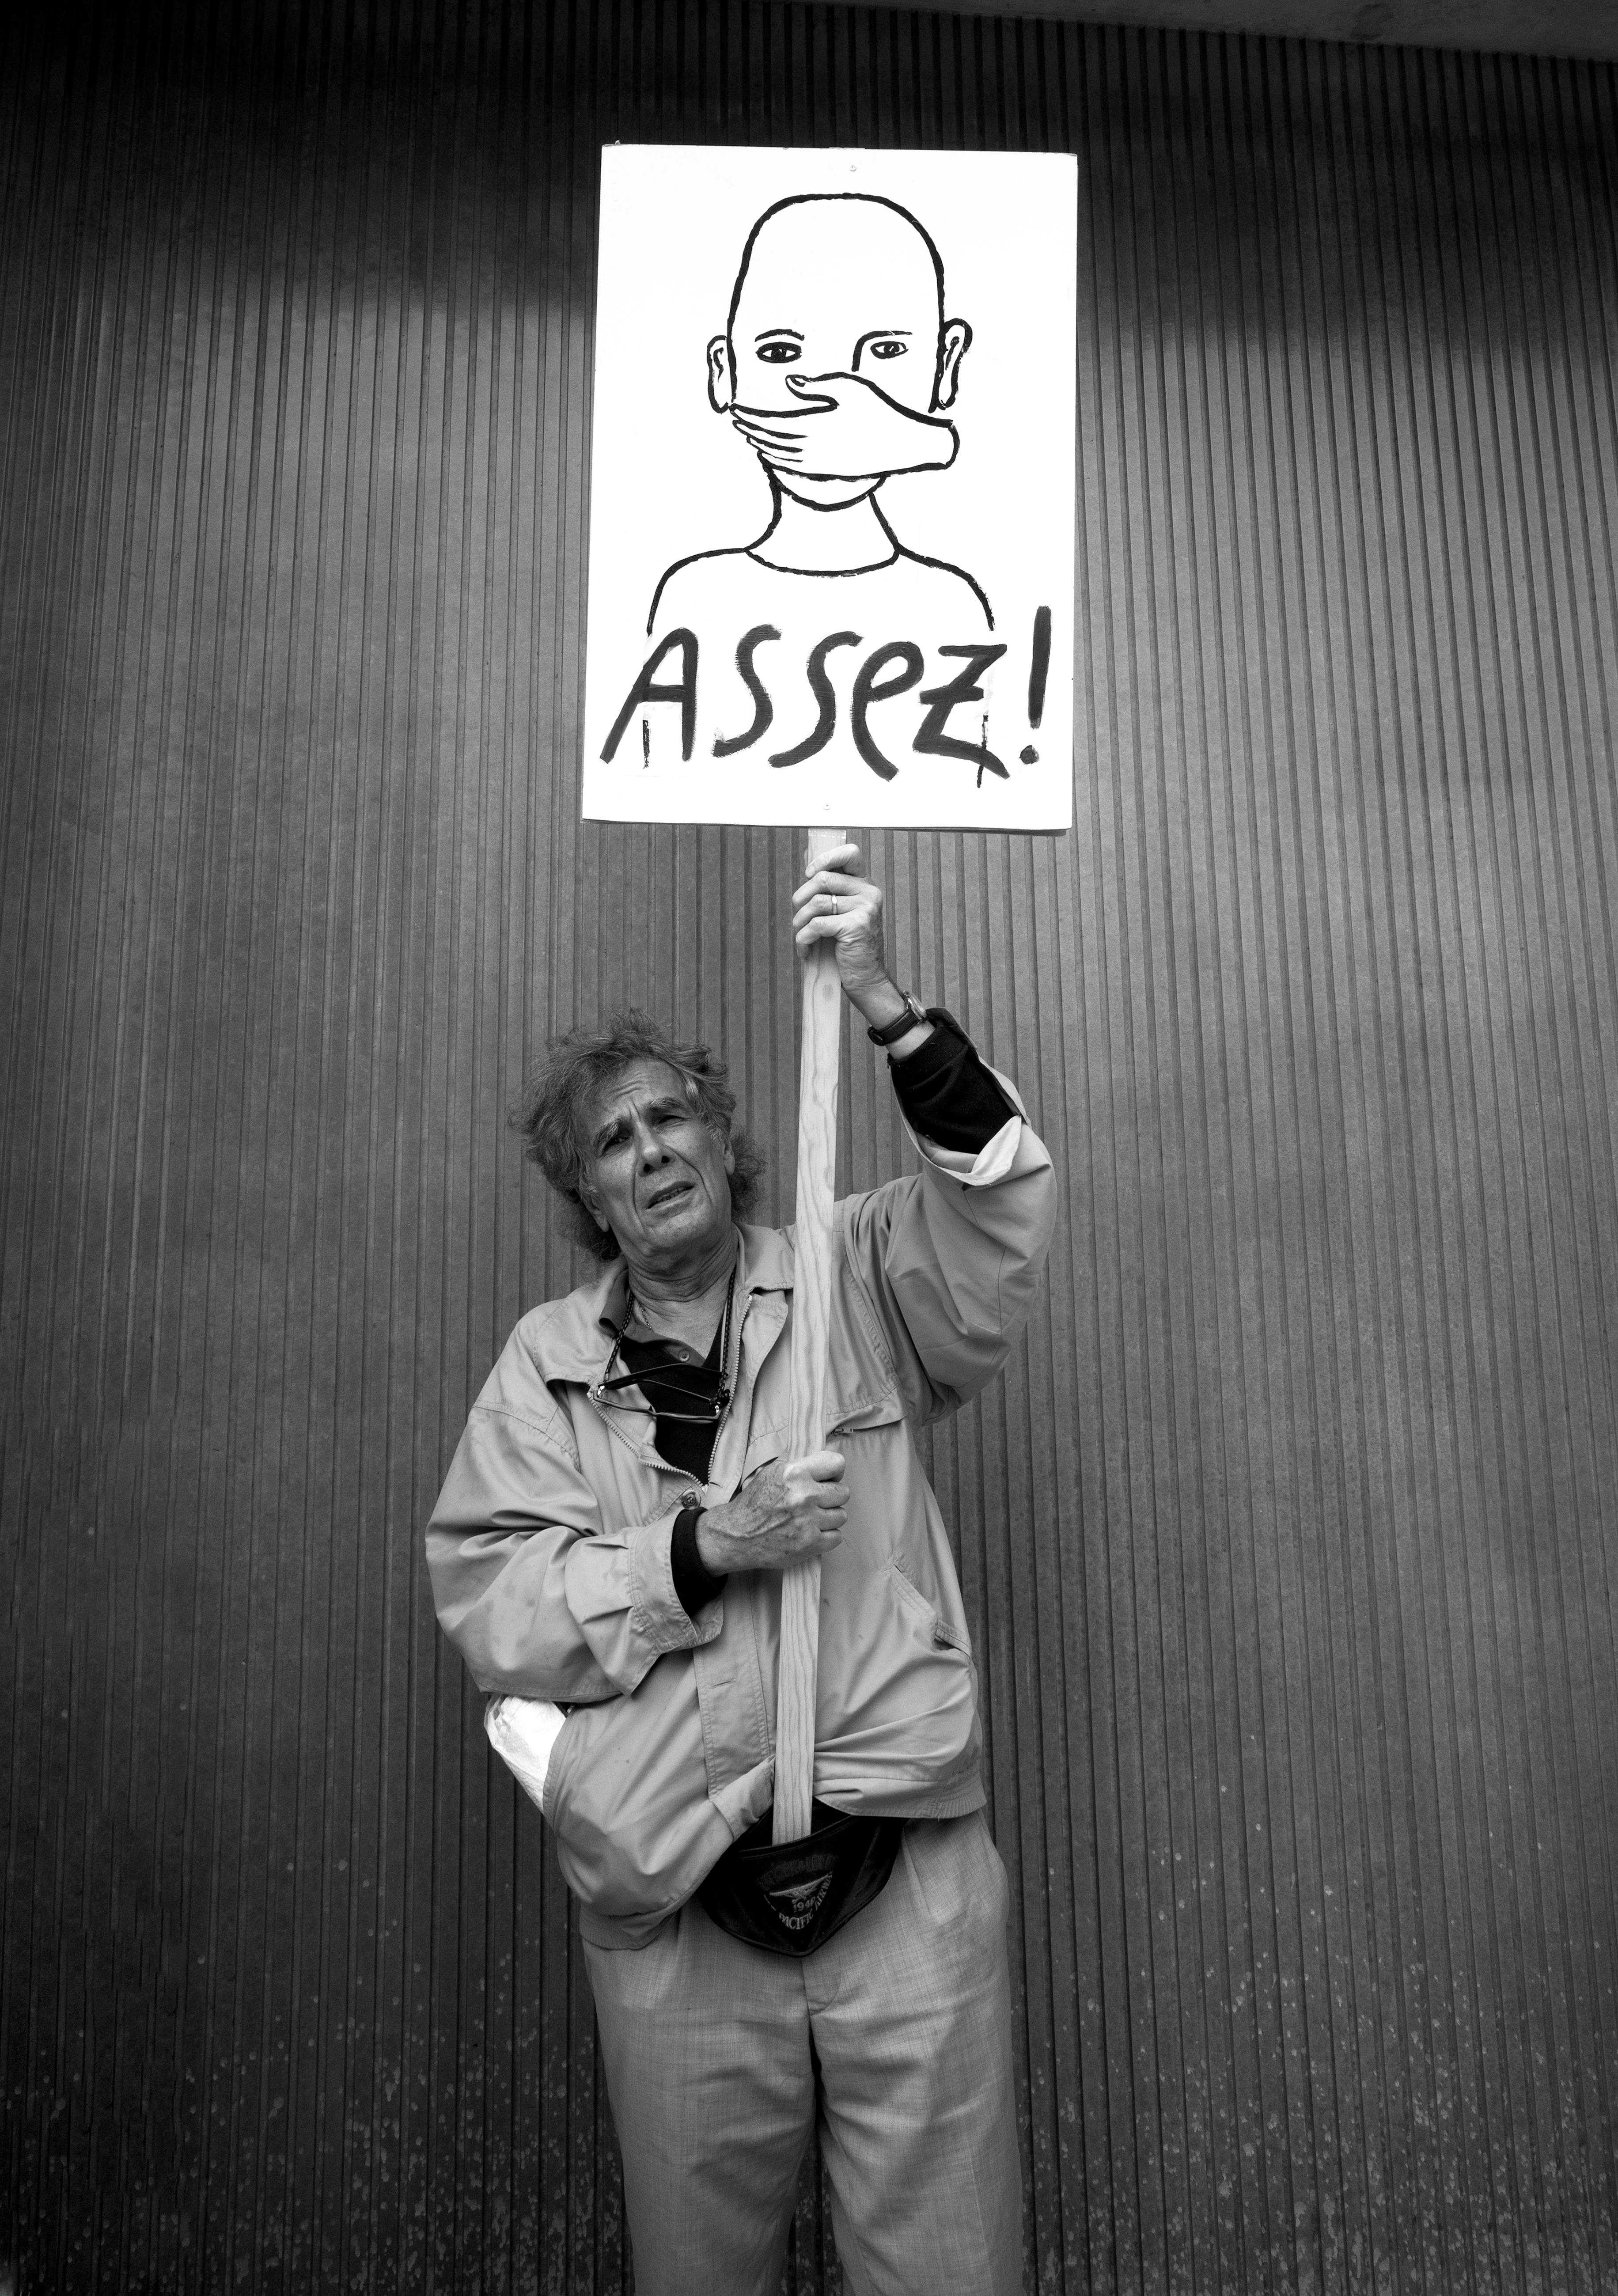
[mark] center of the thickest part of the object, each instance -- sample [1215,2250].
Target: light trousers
[897,2033]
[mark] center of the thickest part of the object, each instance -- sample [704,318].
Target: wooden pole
[811,1313]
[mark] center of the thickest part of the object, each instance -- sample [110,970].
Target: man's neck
[685,1303]
[849,540]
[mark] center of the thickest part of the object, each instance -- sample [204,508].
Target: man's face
[837,287]
[654,1172]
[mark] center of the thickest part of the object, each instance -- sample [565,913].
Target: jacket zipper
[649,1457]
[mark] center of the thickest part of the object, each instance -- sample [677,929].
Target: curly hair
[578,1066]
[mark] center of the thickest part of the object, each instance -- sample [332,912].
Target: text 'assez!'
[883,673]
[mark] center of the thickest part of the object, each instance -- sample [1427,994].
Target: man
[612,1535]
[837,366]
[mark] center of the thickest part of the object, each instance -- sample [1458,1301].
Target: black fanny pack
[792,1899]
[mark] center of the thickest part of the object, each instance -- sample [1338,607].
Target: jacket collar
[571,1338]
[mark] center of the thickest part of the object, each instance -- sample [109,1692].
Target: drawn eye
[887,350]
[778,353]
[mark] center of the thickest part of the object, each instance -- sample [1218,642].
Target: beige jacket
[549,1547]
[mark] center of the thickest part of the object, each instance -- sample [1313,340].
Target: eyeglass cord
[663,1373]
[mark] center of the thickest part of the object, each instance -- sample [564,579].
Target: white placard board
[832,508]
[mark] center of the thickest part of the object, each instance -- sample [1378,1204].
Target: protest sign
[832,490]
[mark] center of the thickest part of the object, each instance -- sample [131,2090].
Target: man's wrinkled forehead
[641,1084]
[837,264]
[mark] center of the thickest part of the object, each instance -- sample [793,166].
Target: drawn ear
[587,1197]
[721,376]
[952,348]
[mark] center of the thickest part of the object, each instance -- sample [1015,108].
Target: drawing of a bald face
[837,285]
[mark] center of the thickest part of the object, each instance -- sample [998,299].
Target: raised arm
[947,1262]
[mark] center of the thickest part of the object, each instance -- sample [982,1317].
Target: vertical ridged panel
[1288,1539]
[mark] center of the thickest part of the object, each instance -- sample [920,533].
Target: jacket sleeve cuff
[620,1591]
[657,1615]
[994,1162]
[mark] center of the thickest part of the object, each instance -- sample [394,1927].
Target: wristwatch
[914,1015]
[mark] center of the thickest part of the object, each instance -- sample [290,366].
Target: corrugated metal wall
[1289,1539]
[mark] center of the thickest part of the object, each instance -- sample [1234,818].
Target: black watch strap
[914,1016]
